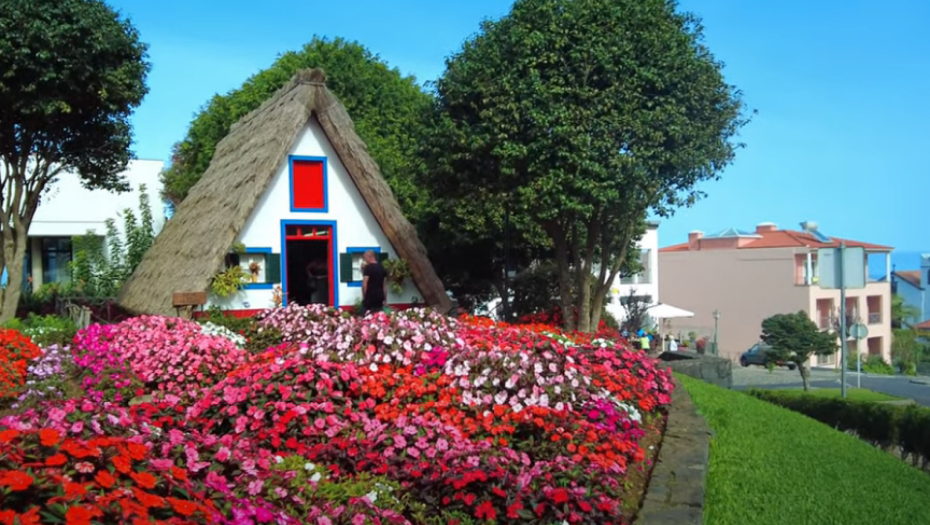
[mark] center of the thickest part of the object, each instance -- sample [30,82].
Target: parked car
[761,354]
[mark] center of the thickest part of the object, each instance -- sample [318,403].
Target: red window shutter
[308,188]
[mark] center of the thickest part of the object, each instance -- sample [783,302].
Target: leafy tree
[902,314]
[906,349]
[72,72]
[579,117]
[795,338]
[386,107]
[98,270]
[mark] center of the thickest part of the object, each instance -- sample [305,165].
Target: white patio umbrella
[662,312]
[667,311]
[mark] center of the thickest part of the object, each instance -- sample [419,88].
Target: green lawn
[771,466]
[853,394]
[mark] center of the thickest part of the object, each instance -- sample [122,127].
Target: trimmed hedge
[906,427]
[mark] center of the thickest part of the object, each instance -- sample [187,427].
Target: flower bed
[404,418]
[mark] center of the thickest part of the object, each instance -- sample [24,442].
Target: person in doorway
[374,284]
[672,344]
[317,275]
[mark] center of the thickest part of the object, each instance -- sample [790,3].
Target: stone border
[676,488]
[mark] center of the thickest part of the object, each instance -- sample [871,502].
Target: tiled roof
[911,276]
[923,326]
[787,239]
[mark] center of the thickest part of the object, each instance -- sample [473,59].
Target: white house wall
[649,241]
[355,224]
[69,209]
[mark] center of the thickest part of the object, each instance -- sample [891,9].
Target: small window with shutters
[261,267]
[351,263]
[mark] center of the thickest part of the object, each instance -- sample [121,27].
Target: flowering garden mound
[404,418]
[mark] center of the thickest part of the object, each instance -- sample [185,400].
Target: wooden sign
[181,299]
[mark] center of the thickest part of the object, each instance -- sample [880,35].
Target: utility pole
[841,271]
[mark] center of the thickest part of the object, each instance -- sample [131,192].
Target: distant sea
[899,261]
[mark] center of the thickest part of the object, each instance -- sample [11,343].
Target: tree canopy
[795,338]
[72,73]
[386,107]
[580,117]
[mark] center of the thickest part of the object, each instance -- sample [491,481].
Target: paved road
[755,377]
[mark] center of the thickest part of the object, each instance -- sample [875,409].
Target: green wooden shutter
[382,256]
[273,268]
[345,267]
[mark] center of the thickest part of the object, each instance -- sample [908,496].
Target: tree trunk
[805,375]
[605,281]
[14,255]
[565,290]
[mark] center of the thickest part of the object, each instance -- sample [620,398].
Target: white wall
[69,209]
[649,241]
[355,225]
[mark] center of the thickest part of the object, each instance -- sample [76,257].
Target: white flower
[309,466]
[316,477]
[373,367]
[278,459]
[372,496]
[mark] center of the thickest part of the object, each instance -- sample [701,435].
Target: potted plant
[254,268]
[398,271]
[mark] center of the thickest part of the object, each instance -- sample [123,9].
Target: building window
[308,184]
[643,299]
[644,276]
[56,260]
[352,262]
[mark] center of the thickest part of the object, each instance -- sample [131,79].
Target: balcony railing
[875,317]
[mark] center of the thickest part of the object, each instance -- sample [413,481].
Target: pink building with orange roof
[749,276]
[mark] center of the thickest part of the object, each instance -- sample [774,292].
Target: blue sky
[840,89]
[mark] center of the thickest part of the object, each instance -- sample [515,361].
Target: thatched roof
[192,246]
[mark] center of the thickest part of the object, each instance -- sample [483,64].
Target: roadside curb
[925,382]
[675,495]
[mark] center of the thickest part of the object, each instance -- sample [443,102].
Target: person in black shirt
[374,284]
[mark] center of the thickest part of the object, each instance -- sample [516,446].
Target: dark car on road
[761,354]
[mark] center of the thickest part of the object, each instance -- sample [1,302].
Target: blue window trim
[258,286]
[334,257]
[360,249]
[290,178]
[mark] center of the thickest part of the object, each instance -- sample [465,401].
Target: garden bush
[880,424]
[45,330]
[16,350]
[170,355]
[404,418]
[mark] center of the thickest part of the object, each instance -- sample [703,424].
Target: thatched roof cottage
[295,185]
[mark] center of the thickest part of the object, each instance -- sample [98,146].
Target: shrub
[880,424]
[49,377]
[45,330]
[16,351]
[171,355]
[875,365]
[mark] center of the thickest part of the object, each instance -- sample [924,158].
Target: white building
[69,210]
[644,286]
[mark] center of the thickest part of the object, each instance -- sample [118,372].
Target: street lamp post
[716,318]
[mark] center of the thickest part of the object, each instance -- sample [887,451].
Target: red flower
[57,460]
[104,479]
[49,437]
[8,436]
[17,481]
[185,508]
[144,479]
[486,511]
[78,516]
